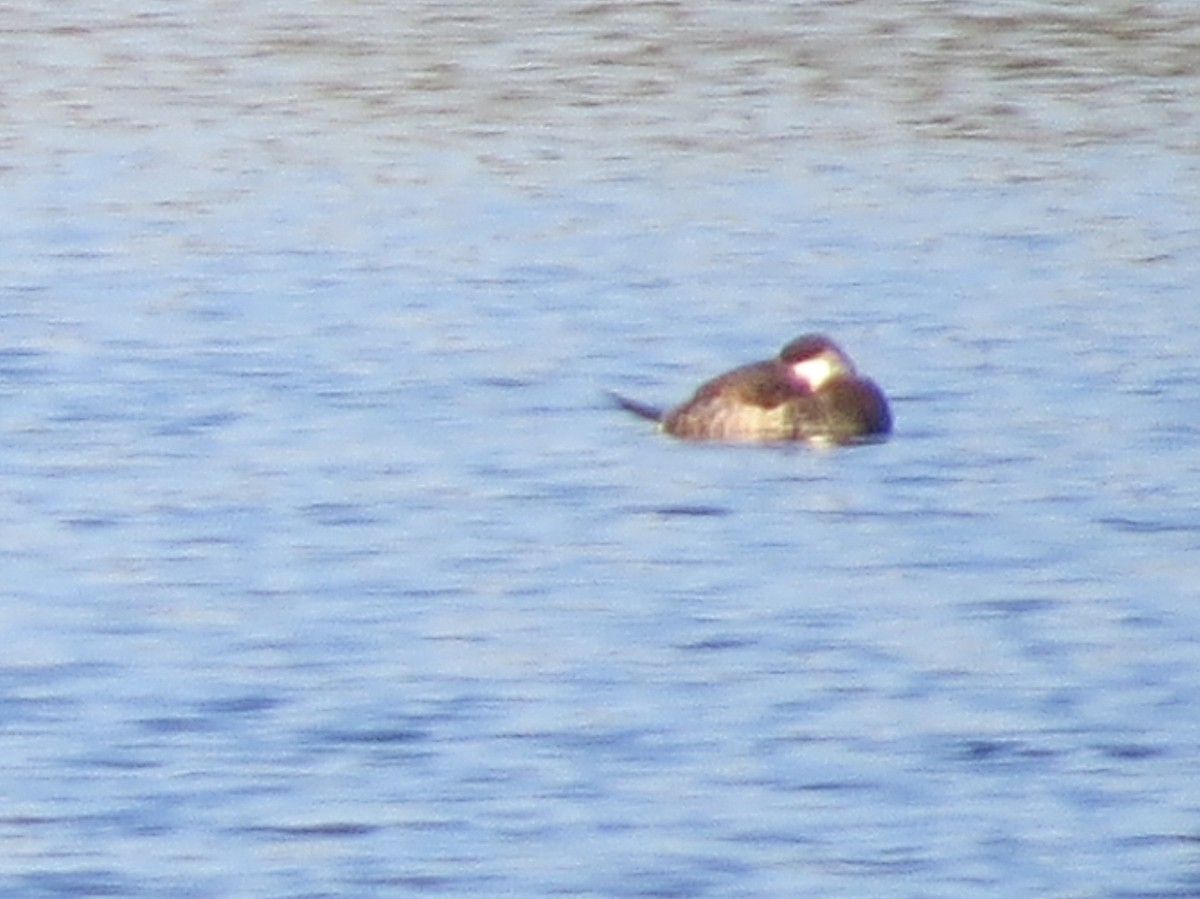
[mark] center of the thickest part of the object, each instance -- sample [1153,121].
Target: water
[329,571]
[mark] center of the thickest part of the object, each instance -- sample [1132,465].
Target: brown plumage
[809,392]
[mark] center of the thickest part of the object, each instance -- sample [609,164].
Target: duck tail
[642,410]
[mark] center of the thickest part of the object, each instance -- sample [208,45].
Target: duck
[810,393]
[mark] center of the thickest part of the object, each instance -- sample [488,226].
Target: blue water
[329,571]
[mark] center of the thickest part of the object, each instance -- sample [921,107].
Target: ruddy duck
[809,392]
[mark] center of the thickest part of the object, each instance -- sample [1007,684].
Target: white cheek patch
[814,372]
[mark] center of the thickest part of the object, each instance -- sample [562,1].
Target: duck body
[809,393]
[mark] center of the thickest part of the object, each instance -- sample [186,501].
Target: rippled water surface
[328,570]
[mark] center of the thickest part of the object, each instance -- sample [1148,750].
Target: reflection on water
[329,570]
[525,88]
